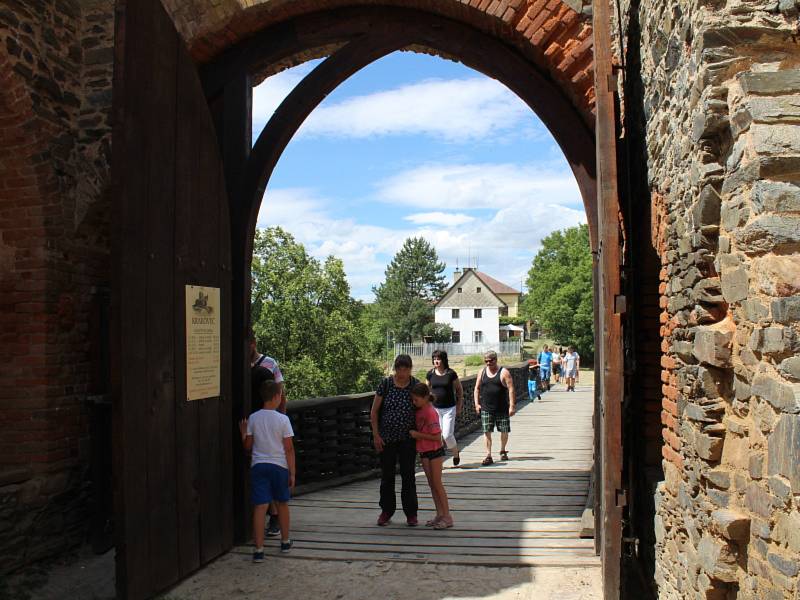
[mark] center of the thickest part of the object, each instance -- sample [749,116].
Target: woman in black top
[392,417]
[446,388]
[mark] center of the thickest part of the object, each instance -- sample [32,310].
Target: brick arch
[552,34]
[28,186]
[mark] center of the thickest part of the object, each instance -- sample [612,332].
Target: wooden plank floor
[526,511]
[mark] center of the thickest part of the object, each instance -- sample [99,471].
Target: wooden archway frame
[361,36]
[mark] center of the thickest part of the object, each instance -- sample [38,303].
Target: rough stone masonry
[720,101]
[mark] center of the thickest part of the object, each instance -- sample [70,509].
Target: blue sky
[415,145]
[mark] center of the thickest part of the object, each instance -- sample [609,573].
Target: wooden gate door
[609,334]
[172,456]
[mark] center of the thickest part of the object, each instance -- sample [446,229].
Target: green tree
[303,316]
[559,284]
[414,281]
[438,332]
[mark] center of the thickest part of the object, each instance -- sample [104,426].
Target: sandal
[444,523]
[504,455]
[487,461]
[432,522]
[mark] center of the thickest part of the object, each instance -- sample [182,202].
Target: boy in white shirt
[268,434]
[572,364]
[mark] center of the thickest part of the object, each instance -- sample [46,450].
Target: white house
[472,307]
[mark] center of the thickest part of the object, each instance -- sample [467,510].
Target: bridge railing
[509,348]
[333,437]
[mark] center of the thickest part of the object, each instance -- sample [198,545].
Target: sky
[415,145]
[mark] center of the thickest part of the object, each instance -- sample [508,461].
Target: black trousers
[406,453]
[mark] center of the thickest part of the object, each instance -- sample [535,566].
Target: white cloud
[454,110]
[503,242]
[450,219]
[474,186]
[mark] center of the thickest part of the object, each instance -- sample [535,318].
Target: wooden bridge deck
[526,511]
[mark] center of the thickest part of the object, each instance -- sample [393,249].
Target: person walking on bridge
[572,365]
[495,401]
[446,389]
[545,359]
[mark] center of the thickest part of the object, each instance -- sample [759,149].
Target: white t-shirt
[571,359]
[556,358]
[269,428]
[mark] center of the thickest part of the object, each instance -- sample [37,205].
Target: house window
[477,336]
[456,337]
[459,290]
[503,311]
[478,313]
[477,290]
[456,313]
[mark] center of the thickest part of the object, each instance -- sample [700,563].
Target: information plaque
[203,364]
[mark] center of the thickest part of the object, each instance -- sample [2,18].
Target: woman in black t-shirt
[446,388]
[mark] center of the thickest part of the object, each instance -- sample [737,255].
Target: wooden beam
[611,333]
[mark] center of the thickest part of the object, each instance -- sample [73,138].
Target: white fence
[510,348]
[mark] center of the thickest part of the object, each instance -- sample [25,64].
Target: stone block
[719,477]
[786,310]
[683,350]
[771,83]
[783,396]
[783,450]
[712,343]
[758,500]
[769,233]
[708,447]
[790,368]
[773,340]
[754,310]
[719,498]
[713,383]
[742,389]
[708,290]
[760,528]
[777,276]
[735,285]
[780,487]
[756,465]
[704,413]
[706,209]
[775,196]
[731,524]
[787,530]
[786,565]
[717,559]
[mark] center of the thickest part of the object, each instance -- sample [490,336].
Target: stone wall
[716,86]
[55,97]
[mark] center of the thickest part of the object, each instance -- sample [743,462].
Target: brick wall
[552,33]
[54,143]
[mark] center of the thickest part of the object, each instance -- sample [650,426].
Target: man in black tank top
[496,402]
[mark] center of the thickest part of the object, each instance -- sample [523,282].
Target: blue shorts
[269,482]
[544,373]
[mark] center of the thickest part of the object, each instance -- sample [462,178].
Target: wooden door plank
[189,187]
[159,174]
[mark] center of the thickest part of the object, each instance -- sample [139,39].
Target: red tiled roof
[497,287]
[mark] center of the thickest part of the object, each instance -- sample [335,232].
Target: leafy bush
[475,360]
